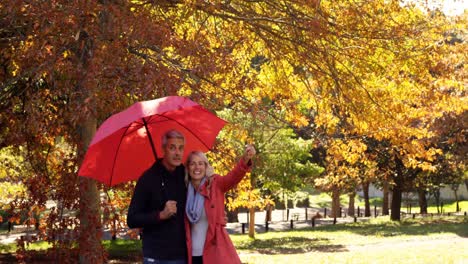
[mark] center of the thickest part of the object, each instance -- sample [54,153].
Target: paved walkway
[232,228]
[236,228]
[280,222]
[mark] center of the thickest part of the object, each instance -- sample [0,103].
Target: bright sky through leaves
[449,7]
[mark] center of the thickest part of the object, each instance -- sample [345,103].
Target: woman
[210,243]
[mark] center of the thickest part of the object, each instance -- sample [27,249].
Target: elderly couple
[181,208]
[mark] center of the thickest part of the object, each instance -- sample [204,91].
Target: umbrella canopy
[127,143]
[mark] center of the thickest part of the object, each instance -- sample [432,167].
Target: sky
[453,7]
[449,7]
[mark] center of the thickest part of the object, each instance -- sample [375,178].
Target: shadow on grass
[33,256]
[290,245]
[7,248]
[128,250]
[119,251]
[8,258]
[424,226]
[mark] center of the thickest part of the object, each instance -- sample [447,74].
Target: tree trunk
[252,223]
[335,202]
[268,210]
[390,196]
[253,182]
[90,248]
[351,203]
[396,202]
[455,188]
[436,193]
[365,190]
[385,205]
[422,201]
[456,199]
[89,241]
[285,201]
[397,191]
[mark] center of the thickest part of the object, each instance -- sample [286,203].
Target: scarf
[195,202]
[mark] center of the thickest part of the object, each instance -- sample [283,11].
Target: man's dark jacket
[162,239]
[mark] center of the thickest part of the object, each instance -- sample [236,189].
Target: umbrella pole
[150,139]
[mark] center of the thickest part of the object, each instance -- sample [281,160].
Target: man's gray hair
[171,134]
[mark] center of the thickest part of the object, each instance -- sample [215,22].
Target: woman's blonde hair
[209,171]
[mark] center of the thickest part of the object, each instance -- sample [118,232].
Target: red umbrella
[127,143]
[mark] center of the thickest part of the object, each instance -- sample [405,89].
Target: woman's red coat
[218,246]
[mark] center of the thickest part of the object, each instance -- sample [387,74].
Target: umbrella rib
[116,153]
[150,138]
[195,135]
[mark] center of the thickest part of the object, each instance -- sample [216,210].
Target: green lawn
[436,240]
[10,248]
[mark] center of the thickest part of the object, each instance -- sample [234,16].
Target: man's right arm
[139,215]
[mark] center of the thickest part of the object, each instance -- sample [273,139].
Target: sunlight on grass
[8,248]
[122,247]
[448,207]
[377,241]
[37,246]
[419,253]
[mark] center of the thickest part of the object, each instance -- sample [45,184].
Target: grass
[436,240]
[420,240]
[7,248]
[426,254]
[123,249]
[374,230]
[37,246]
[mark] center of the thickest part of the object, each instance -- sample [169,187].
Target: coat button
[212,206]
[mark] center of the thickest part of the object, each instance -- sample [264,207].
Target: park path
[280,221]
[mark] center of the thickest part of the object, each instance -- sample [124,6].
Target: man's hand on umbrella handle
[170,209]
[249,153]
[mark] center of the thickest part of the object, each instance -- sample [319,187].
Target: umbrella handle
[150,139]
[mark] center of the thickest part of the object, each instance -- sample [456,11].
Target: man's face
[173,152]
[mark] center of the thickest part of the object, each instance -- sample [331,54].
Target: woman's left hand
[249,153]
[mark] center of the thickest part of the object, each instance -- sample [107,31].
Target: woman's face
[197,168]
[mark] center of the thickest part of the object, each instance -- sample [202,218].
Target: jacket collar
[204,190]
[158,165]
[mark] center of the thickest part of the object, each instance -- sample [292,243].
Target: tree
[281,162]
[66,66]
[404,117]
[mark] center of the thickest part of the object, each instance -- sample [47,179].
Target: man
[158,204]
